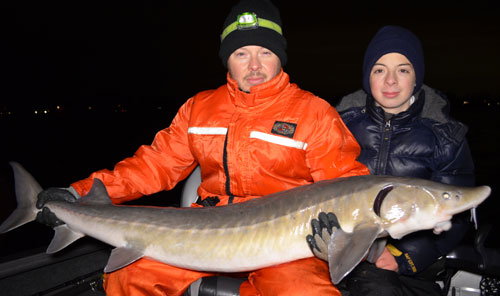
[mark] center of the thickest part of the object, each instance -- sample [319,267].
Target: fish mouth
[442,226]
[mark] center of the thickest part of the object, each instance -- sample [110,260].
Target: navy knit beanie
[253,22]
[394,39]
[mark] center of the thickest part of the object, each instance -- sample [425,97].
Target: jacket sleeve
[421,249]
[417,251]
[457,169]
[153,168]
[333,149]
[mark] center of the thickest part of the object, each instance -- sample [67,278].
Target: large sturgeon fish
[255,234]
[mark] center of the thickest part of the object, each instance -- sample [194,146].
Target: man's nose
[255,63]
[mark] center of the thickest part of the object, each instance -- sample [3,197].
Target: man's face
[252,65]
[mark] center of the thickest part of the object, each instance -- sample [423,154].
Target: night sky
[84,51]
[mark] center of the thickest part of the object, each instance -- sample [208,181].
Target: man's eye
[239,54]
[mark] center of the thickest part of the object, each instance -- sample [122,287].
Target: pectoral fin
[63,237]
[121,257]
[376,249]
[346,250]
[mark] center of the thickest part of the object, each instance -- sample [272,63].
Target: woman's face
[392,80]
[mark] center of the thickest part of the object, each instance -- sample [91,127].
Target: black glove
[51,194]
[321,231]
[45,216]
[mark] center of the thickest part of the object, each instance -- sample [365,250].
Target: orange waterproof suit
[248,145]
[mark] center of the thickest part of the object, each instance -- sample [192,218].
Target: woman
[404,129]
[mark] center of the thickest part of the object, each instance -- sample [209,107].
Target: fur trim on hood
[436,107]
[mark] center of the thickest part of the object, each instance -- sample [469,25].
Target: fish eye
[446,195]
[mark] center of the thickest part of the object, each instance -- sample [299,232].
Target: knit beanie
[394,39]
[253,22]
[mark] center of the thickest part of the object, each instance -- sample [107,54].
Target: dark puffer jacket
[422,142]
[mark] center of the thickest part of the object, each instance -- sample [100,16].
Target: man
[256,135]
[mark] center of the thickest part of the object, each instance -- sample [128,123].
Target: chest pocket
[207,143]
[278,157]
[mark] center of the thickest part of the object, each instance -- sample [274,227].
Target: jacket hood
[436,107]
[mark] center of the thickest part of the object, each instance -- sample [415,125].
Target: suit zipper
[384,149]
[226,171]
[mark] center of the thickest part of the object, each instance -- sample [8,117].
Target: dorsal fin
[98,195]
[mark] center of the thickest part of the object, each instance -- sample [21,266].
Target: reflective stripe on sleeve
[278,140]
[207,130]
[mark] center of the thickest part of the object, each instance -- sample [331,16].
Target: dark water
[63,147]
[484,141]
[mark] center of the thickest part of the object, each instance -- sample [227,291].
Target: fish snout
[464,199]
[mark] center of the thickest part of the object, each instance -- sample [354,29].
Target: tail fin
[27,189]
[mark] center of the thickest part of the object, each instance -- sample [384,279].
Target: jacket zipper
[384,149]
[226,171]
